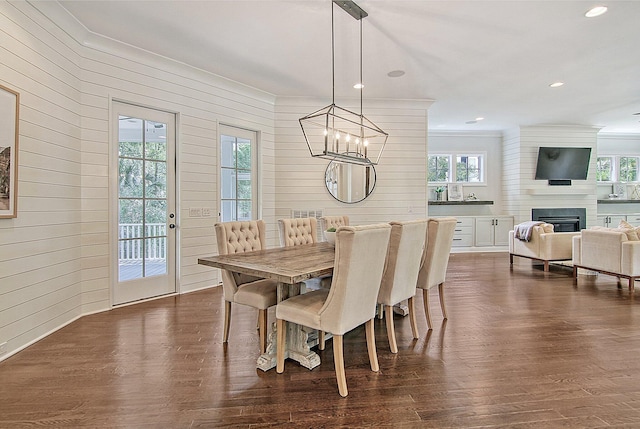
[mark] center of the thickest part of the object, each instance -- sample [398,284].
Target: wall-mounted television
[561,165]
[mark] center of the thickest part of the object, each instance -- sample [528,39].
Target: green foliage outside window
[438,168]
[604,172]
[628,169]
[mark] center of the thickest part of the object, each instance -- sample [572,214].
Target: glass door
[145,229]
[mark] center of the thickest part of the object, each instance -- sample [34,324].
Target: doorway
[144,203]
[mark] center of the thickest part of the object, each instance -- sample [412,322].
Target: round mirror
[349,183]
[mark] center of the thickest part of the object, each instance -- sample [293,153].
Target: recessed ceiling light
[556,84]
[396,73]
[638,114]
[595,11]
[471,122]
[358,85]
[480,119]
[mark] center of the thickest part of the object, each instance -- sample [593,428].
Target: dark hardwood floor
[521,349]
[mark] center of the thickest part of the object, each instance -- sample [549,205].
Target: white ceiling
[491,59]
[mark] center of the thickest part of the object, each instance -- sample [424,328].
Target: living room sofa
[543,245]
[611,251]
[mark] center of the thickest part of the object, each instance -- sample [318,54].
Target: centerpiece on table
[330,235]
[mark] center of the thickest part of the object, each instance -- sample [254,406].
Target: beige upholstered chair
[239,237]
[406,247]
[294,232]
[359,261]
[327,222]
[435,261]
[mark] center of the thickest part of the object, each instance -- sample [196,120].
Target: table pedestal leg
[300,339]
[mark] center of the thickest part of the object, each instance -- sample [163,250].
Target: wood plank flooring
[521,349]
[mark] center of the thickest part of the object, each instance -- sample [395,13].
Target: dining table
[289,266]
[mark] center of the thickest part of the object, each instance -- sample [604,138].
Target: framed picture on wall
[9,111]
[454,191]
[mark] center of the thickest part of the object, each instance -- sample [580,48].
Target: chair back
[294,232]
[436,254]
[404,256]
[359,262]
[238,237]
[327,222]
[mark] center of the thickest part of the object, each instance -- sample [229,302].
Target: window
[468,168]
[237,174]
[604,169]
[619,168]
[438,166]
[628,169]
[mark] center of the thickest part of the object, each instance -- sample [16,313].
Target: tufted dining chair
[240,237]
[294,232]
[327,222]
[435,261]
[350,302]
[406,247]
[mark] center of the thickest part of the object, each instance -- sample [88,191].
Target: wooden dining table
[288,266]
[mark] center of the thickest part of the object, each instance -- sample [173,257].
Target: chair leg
[441,294]
[380,310]
[412,318]
[281,327]
[227,320]
[262,330]
[546,266]
[321,340]
[338,359]
[425,300]
[371,345]
[391,333]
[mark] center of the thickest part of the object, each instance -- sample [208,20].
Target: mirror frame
[372,178]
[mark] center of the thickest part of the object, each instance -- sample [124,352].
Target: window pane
[227,150]
[244,210]
[130,137]
[244,154]
[244,185]
[155,213]
[228,210]
[156,147]
[156,179]
[155,261]
[130,177]
[603,169]
[228,183]
[469,168]
[628,169]
[130,212]
[438,168]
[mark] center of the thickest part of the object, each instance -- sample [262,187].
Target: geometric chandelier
[337,133]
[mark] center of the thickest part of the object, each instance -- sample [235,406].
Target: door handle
[172,225]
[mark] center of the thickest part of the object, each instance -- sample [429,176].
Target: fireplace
[563,220]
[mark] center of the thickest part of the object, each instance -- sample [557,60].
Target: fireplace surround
[563,219]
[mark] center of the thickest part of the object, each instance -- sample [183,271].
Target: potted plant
[440,193]
[330,235]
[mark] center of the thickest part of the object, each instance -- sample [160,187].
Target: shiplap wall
[400,192]
[54,258]
[537,193]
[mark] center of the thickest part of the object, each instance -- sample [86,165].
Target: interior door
[144,214]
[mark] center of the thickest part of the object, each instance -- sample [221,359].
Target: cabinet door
[615,220]
[603,220]
[502,227]
[485,231]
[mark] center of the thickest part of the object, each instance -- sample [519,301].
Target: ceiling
[489,59]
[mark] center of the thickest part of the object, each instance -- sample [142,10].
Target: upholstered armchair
[436,260]
[543,244]
[406,247]
[360,257]
[240,237]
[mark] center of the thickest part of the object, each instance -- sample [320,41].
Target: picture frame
[620,189]
[9,120]
[454,191]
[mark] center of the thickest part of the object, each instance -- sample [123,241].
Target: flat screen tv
[560,165]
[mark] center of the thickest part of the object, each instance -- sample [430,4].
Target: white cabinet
[493,230]
[611,221]
[463,234]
